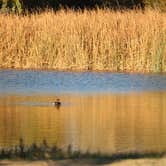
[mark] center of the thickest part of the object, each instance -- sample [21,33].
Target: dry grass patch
[132,41]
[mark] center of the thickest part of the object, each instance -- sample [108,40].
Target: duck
[57,103]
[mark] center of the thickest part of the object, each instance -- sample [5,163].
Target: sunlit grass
[131,41]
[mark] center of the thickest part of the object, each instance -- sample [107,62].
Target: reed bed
[102,39]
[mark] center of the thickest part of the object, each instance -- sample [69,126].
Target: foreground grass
[131,41]
[45,152]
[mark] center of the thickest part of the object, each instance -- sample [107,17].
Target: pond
[100,111]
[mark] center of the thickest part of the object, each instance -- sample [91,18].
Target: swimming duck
[57,103]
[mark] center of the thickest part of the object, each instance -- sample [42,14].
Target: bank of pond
[46,152]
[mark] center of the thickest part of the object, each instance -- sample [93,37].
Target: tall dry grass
[132,41]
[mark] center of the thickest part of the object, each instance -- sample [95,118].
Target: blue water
[28,82]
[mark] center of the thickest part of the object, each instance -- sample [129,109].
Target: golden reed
[130,41]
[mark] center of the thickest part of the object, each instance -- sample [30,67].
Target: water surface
[106,112]
[29,82]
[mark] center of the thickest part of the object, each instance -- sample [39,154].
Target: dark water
[107,112]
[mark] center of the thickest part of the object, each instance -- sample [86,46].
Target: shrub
[161,4]
[11,6]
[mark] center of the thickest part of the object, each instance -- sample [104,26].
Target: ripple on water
[54,82]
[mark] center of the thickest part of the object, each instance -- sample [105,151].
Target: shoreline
[87,162]
[79,71]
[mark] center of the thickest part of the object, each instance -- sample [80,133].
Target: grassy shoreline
[97,40]
[43,151]
[79,162]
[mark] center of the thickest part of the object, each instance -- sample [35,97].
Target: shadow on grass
[45,152]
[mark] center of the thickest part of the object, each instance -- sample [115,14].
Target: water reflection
[28,82]
[106,123]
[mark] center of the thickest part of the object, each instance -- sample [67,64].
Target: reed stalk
[102,39]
